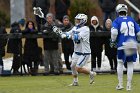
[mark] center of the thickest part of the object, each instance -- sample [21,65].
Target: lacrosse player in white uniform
[80,35]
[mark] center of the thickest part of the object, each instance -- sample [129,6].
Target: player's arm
[114,34]
[84,34]
[67,35]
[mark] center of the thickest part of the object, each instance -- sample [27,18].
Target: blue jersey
[127,29]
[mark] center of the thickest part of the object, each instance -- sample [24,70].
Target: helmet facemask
[80,20]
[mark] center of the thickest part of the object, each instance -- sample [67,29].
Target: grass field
[59,84]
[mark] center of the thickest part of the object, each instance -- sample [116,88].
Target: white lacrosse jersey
[83,46]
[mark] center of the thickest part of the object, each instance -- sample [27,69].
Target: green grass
[59,84]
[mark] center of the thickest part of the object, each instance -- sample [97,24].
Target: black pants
[113,62]
[93,60]
[66,57]
[32,63]
[16,62]
[1,60]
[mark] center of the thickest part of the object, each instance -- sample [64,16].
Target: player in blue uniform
[124,32]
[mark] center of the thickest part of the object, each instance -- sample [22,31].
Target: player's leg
[81,62]
[129,74]
[73,68]
[79,67]
[120,59]
[130,66]
[74,73]
[120,75]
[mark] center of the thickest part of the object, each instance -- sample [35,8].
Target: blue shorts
[121,55]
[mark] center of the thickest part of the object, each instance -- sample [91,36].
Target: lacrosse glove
[113,44]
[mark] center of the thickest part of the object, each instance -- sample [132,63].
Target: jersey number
[127,28]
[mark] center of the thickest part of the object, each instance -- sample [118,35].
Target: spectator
[67,44]
[51,46]
[22,22]
[108,8]
[15,47]
[44,5]
[61,8]
[31,49]
[111,53]
[3,43]
[96,44]
[134,14]
[60,63]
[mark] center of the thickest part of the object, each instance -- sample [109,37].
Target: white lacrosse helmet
[83,19]
[121,7]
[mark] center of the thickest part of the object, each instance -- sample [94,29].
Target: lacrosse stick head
[57,30]
[38,12]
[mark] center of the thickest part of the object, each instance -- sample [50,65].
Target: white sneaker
[128,87]
[92,75]
[119,87]
[74,84]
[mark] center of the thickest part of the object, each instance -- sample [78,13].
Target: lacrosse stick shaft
[132,5]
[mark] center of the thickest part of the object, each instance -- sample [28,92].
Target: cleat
[92,75]
[128,88]
[74,84]
[119,87]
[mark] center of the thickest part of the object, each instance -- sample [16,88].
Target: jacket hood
[95,18]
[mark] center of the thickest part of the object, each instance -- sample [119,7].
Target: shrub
[4,20]
[81,6]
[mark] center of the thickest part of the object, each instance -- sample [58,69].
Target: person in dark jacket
[96,44]
[15,47]
[111,53]
[3,43]
[108,8]
[67,44]
[51,46]
[61,8]
[44,5]
[31,50]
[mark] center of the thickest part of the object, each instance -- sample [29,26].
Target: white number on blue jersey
[127,28]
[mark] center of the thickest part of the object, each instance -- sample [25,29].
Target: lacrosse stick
[38,12]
